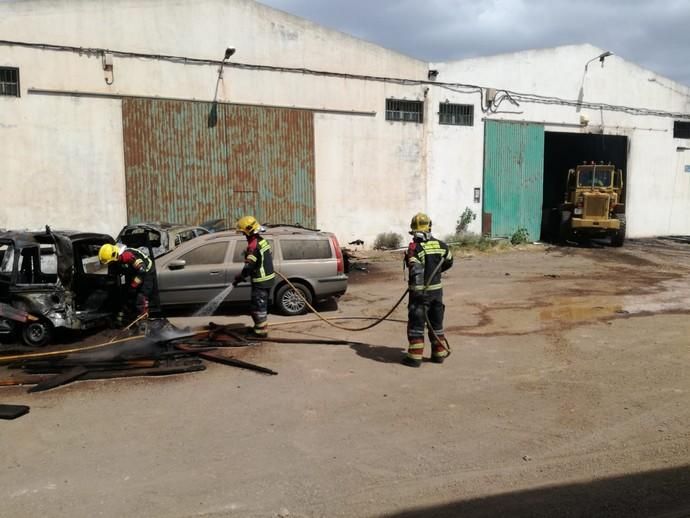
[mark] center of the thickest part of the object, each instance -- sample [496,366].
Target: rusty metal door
[254,160]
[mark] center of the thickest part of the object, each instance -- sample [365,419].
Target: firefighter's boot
[439,350]
[415,352]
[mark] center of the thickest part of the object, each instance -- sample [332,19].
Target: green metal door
[513,178]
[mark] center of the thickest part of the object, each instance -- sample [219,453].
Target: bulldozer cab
[593,178]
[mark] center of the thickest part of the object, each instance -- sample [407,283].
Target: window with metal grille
[456,114]
[681,129]
[9,81]
[405,111]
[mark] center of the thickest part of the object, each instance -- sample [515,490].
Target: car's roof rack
[295,225]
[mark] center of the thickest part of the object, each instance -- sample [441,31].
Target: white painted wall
[62,164]
[356,155]
[655,205]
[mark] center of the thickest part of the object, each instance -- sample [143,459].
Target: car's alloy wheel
[290,303]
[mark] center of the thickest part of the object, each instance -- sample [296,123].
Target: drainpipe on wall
[426,135]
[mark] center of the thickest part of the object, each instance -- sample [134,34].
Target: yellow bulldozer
[593,204]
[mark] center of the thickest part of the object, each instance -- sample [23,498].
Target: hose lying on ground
[377,320]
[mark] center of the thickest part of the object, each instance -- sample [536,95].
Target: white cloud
[651,33]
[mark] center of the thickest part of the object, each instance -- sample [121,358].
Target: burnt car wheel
[289,302]
[37,334]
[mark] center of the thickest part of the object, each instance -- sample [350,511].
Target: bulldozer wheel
[619,237]
[564,227]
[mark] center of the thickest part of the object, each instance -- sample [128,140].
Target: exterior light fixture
[432,75]
[108,68]
[212,121]
[228,52]
[601,57]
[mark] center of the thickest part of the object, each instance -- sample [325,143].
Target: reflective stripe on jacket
[135,264]
[422,258]
[258,261]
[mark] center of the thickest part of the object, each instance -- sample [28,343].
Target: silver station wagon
[196,271]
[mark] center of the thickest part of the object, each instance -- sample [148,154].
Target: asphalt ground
[566,394]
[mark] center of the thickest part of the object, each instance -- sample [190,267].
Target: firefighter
[140,278]
[258,265]
[426,258]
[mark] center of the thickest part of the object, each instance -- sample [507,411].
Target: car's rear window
[212,253]
[304,249]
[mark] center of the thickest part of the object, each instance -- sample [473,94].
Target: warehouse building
[124,111]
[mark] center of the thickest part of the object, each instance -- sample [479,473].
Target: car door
[195,274]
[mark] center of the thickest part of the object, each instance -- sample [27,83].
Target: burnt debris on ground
[154,349]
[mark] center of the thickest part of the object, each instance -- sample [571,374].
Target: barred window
[9,81]
[405,111]
[681,129]
[456,114]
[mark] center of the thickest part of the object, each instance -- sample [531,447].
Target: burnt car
[168,235]
[51,280]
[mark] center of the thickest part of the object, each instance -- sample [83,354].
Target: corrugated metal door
[254,160]
[513,178]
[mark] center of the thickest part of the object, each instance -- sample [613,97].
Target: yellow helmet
[108,253]
[248,225]
[420,223]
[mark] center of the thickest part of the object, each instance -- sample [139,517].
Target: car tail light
[338,255]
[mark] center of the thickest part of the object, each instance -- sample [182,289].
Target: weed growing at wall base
[387,241]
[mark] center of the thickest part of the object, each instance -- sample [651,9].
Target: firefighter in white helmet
[426,258]
[258,266]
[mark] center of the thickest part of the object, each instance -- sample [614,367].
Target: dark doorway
[563,151]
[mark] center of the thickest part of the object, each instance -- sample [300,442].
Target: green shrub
[387,241]
[467,217]
[520,237]
[471,241]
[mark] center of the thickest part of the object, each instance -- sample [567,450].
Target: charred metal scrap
[161,349]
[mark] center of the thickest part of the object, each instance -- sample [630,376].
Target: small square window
[9,81]
[456,114]
[404,111]
[681,129]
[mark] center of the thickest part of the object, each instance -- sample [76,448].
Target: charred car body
[51,280]
[167,236]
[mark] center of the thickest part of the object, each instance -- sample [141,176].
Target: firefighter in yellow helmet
[258,266]
[140,278]
[426,258]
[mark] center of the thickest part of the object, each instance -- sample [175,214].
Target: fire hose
[377,321]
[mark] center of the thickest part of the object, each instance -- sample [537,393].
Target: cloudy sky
[654,34]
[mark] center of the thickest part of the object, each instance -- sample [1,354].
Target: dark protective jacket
[135,264]
[258,262]
[422,258]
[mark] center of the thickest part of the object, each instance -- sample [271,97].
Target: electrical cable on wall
[513,97]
